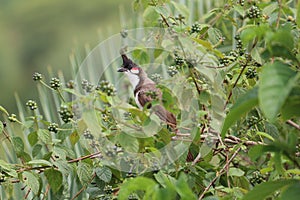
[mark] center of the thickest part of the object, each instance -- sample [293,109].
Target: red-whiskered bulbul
[142,86]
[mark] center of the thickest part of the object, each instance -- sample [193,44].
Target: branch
[290,122]
[223,170]
[83,188]
[93,155]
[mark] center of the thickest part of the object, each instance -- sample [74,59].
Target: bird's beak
[122,69]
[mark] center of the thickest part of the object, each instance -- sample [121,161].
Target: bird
[143,88]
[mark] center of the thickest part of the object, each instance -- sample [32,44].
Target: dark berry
[108,189]
[251,73]
[253,12]
[53,127]
[196,28]
[55,83]
[70,84]
[87,134]
[31,104]
[65,113]
[37,76]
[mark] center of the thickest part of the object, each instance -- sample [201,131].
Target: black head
[127,64]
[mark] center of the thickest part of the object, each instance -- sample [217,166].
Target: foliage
[232,78]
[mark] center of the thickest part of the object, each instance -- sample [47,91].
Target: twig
[85,157]
[46,192]
[83,188]
[165,20]
[219,174]
[279,13]
[235,83]
[290,122]
[27,193]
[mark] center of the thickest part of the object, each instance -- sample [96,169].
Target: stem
[290,122]
[83,188]
[223,170]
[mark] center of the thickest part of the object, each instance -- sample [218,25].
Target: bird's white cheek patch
[134,70]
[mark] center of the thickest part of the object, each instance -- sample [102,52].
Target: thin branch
[93,155]
[279,13]
[223,170]
[290,122]
[83,188]
[235,83]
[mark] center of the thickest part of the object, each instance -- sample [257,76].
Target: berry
[37,76]
[156,77]
[65,113]
[31,104]
[241,2]
[253,12]
[87,86]
[239,45]
[53,127]
[70,84]
[257,178]
[251,73]
[196,28]
[172,71]
[108,189]
[106,87]
[179,60]
[127,115]
[87,134]
[55,83]
[12,118]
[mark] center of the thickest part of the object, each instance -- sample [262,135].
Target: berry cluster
[31,104]
[55,83]
[37,76]
[12,118]
[251,73]
[53,127]
[196,28]
[65,113]
[252,121]
[253,12]
[156,77]
[152,94]
[172,71]
[87,86]
[106,115]
[70,84]
[226,60]
[107,88]
[257,178]
[88,135]
[179,60]
[239,45]
[108,189]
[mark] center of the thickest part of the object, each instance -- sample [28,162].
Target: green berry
[53,127]
[172,71]
[37,76]
[31,104]
[55,83]
[156,77]
[106,87]
[12,118]
[87,86]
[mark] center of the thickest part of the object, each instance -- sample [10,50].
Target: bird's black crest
[127,63]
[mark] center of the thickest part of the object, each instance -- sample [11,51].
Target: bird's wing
[165,115]
[145,94]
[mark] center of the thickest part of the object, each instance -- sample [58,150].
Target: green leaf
[263,190]
[128,142]
[84,172]
[18,145]
[54,178]
[276,82]
[104,173]
[40,162]
[36,150]
[32,138]
[181,8]
[1,127]
[74,137]
[44,136]
[32,181]
[183,188]
[236,172]
[8,168]
[136,184]
[292,192]
[150,17]
[293,101]
[4,110]
[298,15]
[243,105]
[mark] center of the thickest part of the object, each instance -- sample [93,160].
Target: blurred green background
[35,34]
